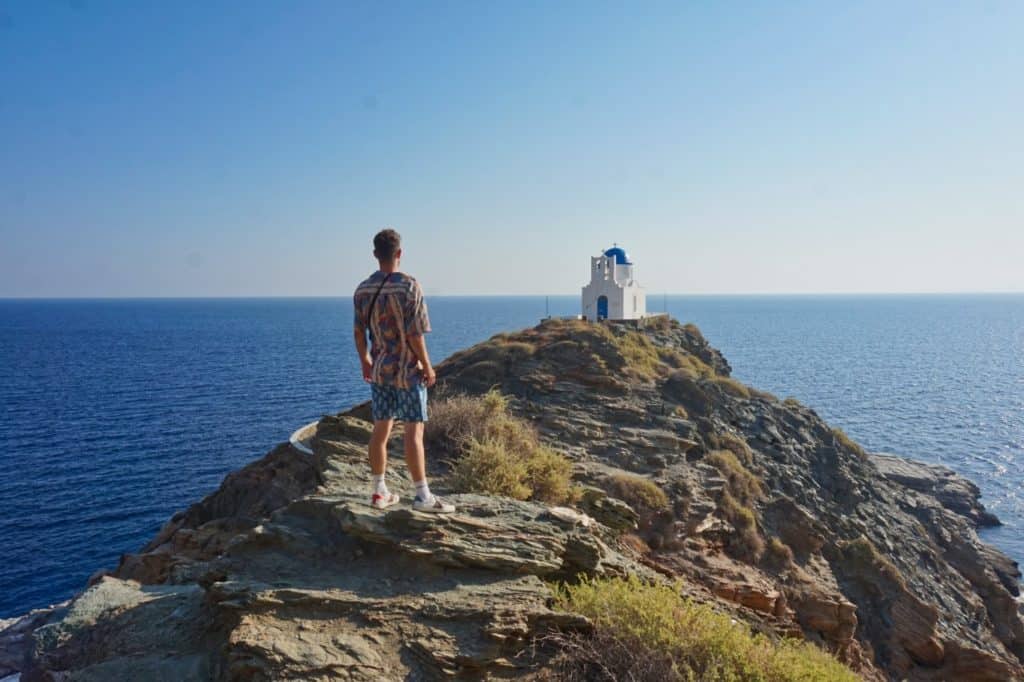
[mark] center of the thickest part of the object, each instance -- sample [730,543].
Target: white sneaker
[379,501]
[435,505]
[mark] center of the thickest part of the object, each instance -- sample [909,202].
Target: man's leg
[381,497]
[379,446]
[415,458]
[416,461]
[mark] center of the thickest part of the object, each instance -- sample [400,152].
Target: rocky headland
[760,509]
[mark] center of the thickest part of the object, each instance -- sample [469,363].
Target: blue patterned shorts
[402,404]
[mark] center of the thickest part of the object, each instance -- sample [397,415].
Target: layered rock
[285,573]
[886,568]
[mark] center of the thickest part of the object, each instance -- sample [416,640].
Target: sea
[117,413]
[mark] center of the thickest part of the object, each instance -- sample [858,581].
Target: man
[389,305]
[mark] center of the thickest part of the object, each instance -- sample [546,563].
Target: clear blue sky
[227,148]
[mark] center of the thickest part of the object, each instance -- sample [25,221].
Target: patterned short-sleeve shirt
[398,314]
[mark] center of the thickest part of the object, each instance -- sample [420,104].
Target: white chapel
[613,292]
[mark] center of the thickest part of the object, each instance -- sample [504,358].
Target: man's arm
[364,354]
[418,343]
[417,324]
[359,333]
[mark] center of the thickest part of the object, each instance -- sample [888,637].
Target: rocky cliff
[771,515]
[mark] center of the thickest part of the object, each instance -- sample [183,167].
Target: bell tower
[613,292]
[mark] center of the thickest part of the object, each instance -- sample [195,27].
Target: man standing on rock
[389,305]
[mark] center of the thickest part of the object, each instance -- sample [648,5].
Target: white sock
[379,486]
[423,490]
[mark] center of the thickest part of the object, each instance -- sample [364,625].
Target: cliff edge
[760,510]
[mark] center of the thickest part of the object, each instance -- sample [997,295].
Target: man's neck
[388,268]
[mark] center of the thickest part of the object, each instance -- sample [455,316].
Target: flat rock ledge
[953,491]
[324,588]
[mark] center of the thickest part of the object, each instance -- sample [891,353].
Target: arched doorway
[602,307]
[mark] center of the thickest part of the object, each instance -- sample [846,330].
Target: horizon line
[655,296]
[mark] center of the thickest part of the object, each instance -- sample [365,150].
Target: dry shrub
[651,632]
[635,542]
[454,420]
[493,451]
[505,351]
[744,486]
[622,349]
[549,476]
[486,372]
[746,543]
[778,553]
[737,446]
[694,330]
[638,492]
[792,403]
[763,395]
[741,490]
[848,443]
[486,466]
[659,323]
[863,552]
[672,357]
[639,353]
[732,387]
[689,364]
[603,656]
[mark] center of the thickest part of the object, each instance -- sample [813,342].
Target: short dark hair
[386,244]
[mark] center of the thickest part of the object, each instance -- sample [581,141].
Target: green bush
[654,630]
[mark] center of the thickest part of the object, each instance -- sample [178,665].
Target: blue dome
[620,255]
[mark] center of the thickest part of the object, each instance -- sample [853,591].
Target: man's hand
[429,376]
[367,364]
[419,348]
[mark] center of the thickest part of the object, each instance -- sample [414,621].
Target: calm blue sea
[118,413]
